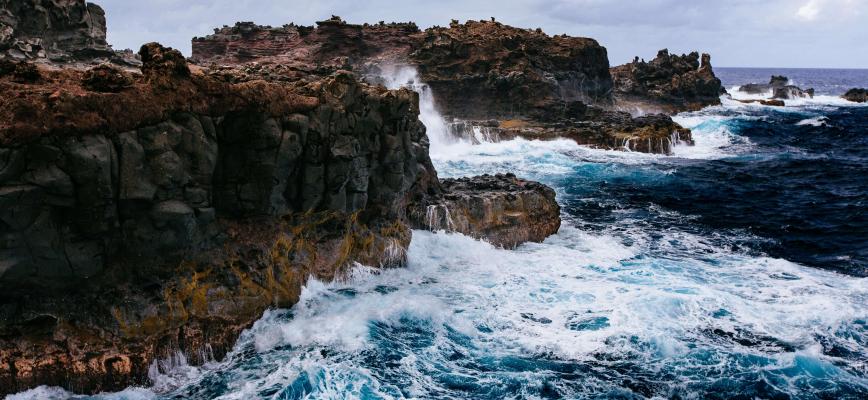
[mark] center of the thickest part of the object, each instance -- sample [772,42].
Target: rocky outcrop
[772,102]
[59,30]
[668,83]
[558,86]
[856,95]
[502,209]
[485,69]
[613,130]
[779,88]
[333,43]
[168,213]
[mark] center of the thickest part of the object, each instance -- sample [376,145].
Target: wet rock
[856,95]
[779,88]
[501,209]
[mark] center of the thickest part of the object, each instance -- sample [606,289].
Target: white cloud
[809,11]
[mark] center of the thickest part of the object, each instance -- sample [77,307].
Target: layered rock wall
[60,30]
[169,215]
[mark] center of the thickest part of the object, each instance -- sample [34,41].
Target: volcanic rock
[502,209]
[856,95]
[779,88]
[667,83]
[60,30]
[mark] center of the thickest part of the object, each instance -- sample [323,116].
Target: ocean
[733,269]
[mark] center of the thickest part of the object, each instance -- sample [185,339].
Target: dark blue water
[798,189]
[833,82]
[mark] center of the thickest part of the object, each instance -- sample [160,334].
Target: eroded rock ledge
[502,209]
[479,71]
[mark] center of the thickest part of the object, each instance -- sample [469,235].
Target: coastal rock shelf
[147,212]
[502,209]
[485,70]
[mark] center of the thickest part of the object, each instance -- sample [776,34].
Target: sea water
[712,273]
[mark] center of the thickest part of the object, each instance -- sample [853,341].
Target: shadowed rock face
[168,214]
[856,95]
[668,83]
[502,209]
[61,30]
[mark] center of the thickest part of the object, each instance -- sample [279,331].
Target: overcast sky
[749,33]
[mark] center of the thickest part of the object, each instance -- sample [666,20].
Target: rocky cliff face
[147,214]
[479,71]
[169,215]
[484,69]
[668,83]
[60,30]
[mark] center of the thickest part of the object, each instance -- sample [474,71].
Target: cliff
[478,71]
[668,83]
[146,212]
[60,30]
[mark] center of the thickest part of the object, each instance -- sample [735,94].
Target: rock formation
[856,95]
[478,71]
[779,88]
[60,30]
[160,210]
[504,210]
[667,83]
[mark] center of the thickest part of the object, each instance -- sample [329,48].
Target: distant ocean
[834,82]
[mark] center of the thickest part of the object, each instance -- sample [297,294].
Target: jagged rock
[483,70]
[106,78]
[502,209]
[160,63]
[60,30]
[856,95]
[779,88]
[668,82]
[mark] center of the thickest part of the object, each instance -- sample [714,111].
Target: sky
[737,33]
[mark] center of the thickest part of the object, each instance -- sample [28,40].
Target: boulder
[856,95]
[501,209]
